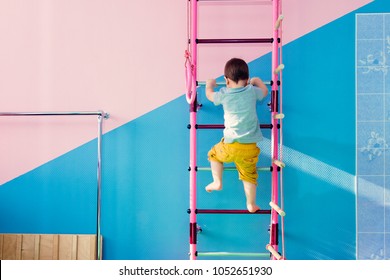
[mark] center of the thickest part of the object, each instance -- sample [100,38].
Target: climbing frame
[276,211]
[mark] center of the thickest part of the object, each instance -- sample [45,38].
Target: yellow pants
[244,156]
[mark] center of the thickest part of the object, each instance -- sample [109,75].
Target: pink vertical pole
[274,121]
[193,109]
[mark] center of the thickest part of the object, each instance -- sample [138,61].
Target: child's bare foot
[252,207]
[213,187]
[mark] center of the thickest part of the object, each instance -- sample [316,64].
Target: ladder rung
[279,68]
[203,83]
[278,21]
[228,168]
[234,41]
[279,116]
[222,211]
[232,254]
[277,209]
[279,163]
[221,126]
[274,252]
[267,2]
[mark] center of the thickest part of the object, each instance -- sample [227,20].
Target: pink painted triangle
[125,58]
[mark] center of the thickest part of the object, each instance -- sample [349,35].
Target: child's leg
[216,171]
[250,193]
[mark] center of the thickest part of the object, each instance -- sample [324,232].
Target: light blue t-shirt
[239,105]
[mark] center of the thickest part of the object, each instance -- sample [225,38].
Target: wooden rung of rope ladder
[274,252]
[277,209]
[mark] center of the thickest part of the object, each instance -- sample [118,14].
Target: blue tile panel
[373,135]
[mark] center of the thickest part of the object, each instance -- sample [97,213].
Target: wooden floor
[47,247]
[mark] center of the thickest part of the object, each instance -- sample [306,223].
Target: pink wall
[124,57]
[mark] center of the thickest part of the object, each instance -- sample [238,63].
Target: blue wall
[145,179]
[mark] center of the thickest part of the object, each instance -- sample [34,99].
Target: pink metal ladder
[276,211]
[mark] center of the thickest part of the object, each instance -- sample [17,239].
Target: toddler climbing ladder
[276,166]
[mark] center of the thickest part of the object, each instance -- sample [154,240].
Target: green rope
[232,254]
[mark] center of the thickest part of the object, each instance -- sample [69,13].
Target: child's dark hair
[236,69]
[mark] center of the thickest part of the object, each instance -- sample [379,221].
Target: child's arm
[210,85]
[257,82]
